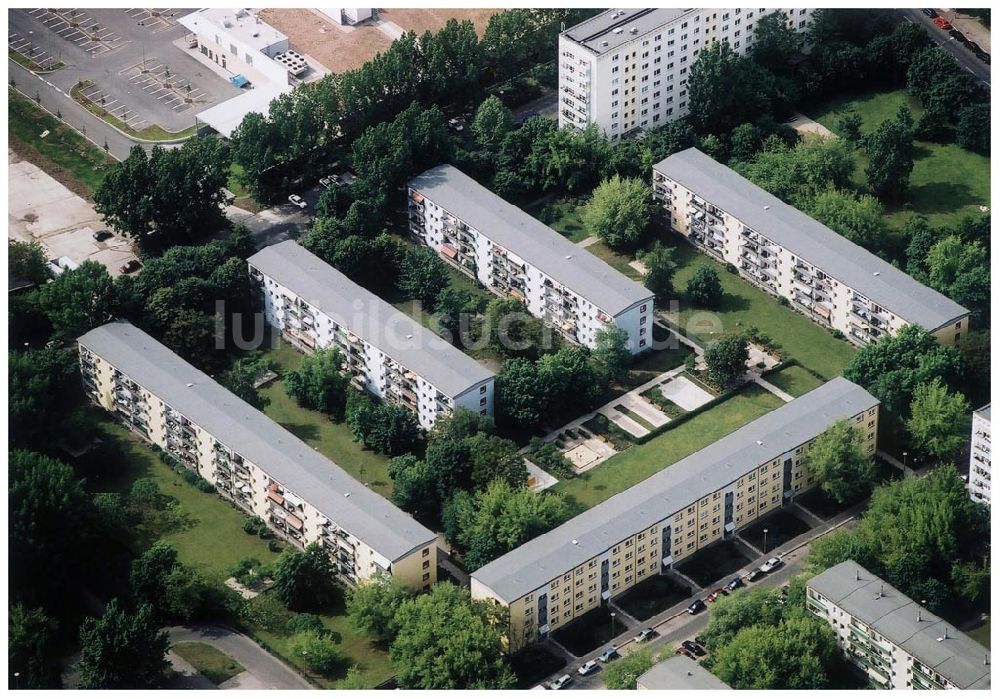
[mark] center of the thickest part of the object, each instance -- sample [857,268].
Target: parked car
[770,564]
[929,12]
[326,182]
[715,594]
[608,655]
[942,23]
[644,635]
[297,200]
[754,575]
[685,651]
[696,606]
[102,235]
[734,583]
[588,667]
[130,266]
[560,682]
[456,124]
[693,647]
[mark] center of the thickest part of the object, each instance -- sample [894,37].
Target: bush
[254,525]
[549,458]
[305,622]
[273,546]
[204,486]
[190,477]
[263,611]
[319,653]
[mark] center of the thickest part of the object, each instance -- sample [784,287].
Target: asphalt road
[968,60]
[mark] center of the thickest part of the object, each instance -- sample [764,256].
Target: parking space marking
[80,28]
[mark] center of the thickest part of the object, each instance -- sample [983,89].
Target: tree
[492,123]
[38,383]
[949,257]
[973,128]
[385,428]
[849,127]
[319,383]
[660,268]
[839,459]
[422,275]
[453,309]
[797,174]
[31,649]
[462,423]
[491,522]
[494,458]
[569,381]
[725,89]
[775,43]
[758,606]
[519,393]
[122,650]
[149,572]
[704,289]
[79,300]
[319,653]
[859,219]
[124,197]
[611,352]
[726,361]
[619,212]
[303,580]
[240,379]
[892,368]
[415,488]
[512,331]
[623,673]
[744,141]
[800,653]
[372,606]
[890,156]
[27,262]
[939,419]
[448,641]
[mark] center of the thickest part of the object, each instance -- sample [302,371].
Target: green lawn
[616,260]
[948,182]
[981,633]
[745,305]
[567,219]
[642,461]
[315,429]
[84,162]
[794,380]
[209,661]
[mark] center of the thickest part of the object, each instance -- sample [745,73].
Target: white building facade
[979,459]
[788,254]
[516,256]
[627,70]
[388,353]
[240,42]
[252,461]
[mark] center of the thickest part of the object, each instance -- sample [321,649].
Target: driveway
[263,670]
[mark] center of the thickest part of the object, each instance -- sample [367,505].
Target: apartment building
[979,459]
[388,353]
[788,254]
[254,462]
[644,530]
[514,255]
[898,643]
[627,70]
[679,672]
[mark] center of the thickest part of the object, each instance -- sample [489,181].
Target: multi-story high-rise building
[517,256]
[894,640]
[388,353]
[644,530]
[254,462]
[979,459]
[786,253]
[627,70]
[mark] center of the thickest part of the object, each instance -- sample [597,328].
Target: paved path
[266,670]
[770,387]
[588,241]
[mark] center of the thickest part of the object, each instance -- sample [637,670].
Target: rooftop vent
[943,637]
[575,542]
[760,443]
[619,30]
[875,274]
[347,495]
[569,257]
[604,43]
[633,30]
[190,385]
[881,592]
[767,208]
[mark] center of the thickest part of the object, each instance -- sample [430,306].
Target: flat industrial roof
[226,116]
[679,672]
[931,640]
[366,315]
[283,456]
[592,33]
[238,22]
[807,238]
[657,498]
[530,239]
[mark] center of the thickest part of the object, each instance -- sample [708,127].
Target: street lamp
[904,463]
[612,625]
[17,680]
[765,539]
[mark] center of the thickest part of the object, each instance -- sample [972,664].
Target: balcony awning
[417,197]
[821,310]
[605,594]
[668,560]
[449,252]
[730,526]
[294,522]
[276,497]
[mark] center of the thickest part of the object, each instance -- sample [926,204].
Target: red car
[941,23]
[715,594]
[685,651]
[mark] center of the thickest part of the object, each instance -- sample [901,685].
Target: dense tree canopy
[619,212]
[372,606]
[623,673]
[319,383]
[841,462]
[303,580]
[726,361]
[122,650]
[939,419]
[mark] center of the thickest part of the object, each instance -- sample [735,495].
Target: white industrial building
[348,16]
[627,70]
[240,42]
[514,255]
[786,253]
[979,459]
[389,354]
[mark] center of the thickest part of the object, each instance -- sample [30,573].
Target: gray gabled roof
[366,315]
[591,33]
[534,564]
[680,672]
[807,238]
[530,239]
[932,641]
[283,456]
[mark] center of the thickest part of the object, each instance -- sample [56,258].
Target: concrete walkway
[263,670]
[771,388]
[587,242]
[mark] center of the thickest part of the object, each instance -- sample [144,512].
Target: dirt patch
[337,48]
[421,20]
[25,151]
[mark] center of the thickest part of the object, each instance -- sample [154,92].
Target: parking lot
[39,57]
[130,56]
